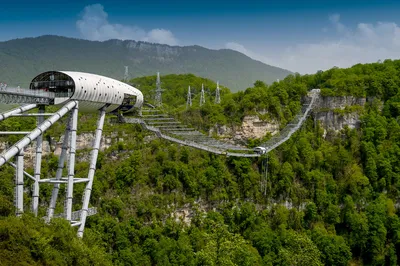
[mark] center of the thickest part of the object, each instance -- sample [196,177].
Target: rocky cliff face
[326,112]
[341,102]
[252,127]
[336,121]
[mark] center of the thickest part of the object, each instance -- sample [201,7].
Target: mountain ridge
[24,58]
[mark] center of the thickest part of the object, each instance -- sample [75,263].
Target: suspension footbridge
[166,127]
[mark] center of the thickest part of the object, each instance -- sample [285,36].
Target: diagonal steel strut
[20,145]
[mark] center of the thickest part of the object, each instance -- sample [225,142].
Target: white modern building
[92,91]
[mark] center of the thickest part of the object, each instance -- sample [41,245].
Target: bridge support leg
[92,169]
[60,167]
[38,165]
[19,184]
[71,168]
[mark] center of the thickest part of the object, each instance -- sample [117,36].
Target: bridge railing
[28,92]
[293,125]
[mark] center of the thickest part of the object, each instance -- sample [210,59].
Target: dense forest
[328,201]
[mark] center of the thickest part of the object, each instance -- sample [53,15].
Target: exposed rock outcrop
[325,111]
[330,119]
[252,127]
[340,102]
[336,121]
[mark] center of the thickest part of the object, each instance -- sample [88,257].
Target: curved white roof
[95,91]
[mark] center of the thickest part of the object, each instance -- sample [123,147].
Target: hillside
[280,103]
[22,59]
[328,199]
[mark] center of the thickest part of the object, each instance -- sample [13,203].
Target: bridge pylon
[202,96]
[158,97]
[189,98]
[126,74]
[218,94]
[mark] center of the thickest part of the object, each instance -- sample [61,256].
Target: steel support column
[71,167]
[92,169]
[60,167]
[19,183]
[20,145]
[38,165]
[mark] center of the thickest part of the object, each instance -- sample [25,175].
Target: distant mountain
[22,59]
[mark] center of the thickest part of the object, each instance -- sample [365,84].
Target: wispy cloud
[94,25]
[335,21]
[160,36]
[365,43]
[240,48]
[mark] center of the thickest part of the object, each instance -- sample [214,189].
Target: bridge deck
[20,95]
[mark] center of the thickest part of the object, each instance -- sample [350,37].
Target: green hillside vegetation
[280,101]
[23,59]
[329,201]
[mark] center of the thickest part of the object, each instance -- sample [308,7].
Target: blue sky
[302,36]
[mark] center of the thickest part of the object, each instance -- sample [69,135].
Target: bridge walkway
[167,127]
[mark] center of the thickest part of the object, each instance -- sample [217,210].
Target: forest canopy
[328,201]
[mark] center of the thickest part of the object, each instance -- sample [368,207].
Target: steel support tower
[189,98]
[217,94]
[202,97]
[69,92]
[126,74]
[76,217]
[158,96]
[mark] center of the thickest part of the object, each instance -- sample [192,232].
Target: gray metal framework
[92,169]
[19,146]
[67,90]
[38,164]
[17,111]
[77,218]
[19,183]
[26,96]
[60,167]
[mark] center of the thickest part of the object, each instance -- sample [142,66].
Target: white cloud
[94,25]
[237,47]
[366,43]
[335,20]
[240,48]
[160,36]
